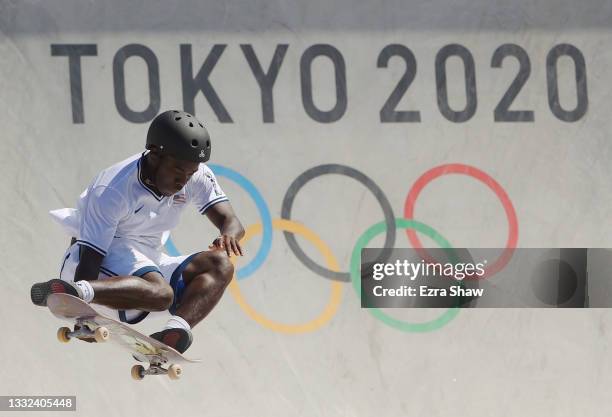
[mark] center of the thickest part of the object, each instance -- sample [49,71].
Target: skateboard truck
[174,371]
[82,330]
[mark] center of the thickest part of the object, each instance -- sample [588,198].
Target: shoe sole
[40,291]
[184,348]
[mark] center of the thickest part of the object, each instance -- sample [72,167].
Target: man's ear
[154,156]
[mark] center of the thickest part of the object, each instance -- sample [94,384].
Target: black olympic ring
[318,171]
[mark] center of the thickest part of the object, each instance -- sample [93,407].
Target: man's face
[172,174]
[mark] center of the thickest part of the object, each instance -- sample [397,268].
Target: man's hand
[231,231]
[228,243]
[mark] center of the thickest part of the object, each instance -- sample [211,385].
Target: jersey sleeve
[206,190]
[101,214]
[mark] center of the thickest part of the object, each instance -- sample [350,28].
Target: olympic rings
[390,224]
[364,239]
[332,263]
[264,212]
[318,171]
[481,176]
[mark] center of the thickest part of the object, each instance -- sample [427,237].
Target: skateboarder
[122,221]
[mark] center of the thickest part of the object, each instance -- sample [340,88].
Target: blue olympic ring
[264,212]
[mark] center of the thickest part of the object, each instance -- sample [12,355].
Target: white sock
[177,322]
[85,290]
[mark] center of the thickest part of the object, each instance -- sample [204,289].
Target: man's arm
[231,231]
[89,264]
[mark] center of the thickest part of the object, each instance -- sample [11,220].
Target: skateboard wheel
[138,372]
[62,334]
[175,371]
[101,334]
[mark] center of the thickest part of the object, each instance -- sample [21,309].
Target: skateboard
[91,326]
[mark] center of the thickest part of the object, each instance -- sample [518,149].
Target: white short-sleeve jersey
[119,205]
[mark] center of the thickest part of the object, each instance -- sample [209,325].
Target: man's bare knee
[223,267]
[159,294]
[163,296]
[214,273]
[216,265]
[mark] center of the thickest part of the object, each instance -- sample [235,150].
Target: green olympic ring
[374,231]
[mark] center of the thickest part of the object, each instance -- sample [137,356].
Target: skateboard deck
[93,326]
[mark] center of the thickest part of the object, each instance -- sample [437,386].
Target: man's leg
[206,276]
[127,280]
[149,292]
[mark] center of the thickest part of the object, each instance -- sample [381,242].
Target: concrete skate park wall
[501,109]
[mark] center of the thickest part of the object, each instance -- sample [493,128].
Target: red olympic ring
[481,176]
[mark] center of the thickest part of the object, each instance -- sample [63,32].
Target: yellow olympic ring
[336,286]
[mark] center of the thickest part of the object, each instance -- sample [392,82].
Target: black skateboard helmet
[181,135]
